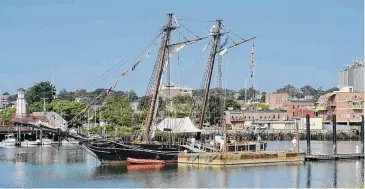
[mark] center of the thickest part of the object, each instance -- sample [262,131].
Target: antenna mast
[162,55]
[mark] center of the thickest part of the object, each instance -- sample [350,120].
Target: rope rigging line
[119,64]
[197,20]
[231,31]
[146,47]
[189,30]
[113,68]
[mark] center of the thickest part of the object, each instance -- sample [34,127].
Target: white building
[174,91]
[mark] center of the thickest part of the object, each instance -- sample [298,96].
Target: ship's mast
[162,59]
[216,41]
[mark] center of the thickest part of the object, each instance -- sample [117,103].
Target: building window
[293,107]
[260,117]
[273,116]
[245,117]
[278,116]
[269,117]
[249,117]
[265,117]
[298,106]
[293,114]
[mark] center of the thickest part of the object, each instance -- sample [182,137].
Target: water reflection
[49,167]
[42,155]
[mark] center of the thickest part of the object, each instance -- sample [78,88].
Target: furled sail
[174,48]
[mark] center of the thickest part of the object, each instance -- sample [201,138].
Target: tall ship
[114,150]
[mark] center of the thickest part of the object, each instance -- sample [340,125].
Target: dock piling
[334,135]
[362,134]
[308,134]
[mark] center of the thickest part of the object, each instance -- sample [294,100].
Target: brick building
[346,105]
[295,108]
[238,119]
[276,100]
[302,113]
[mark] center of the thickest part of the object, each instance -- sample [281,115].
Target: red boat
[144,161]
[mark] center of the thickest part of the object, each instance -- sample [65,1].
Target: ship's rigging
[163,63]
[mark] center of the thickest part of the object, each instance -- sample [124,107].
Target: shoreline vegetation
[239,135]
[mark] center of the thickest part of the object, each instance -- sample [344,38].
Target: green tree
[66,108]
[131,95]
[6,93]
[13,97]
[214,109]
[332,89]
[232,103]
[6,115]
[37,107]
[41,90]
[257,106]
[182,105]
[145,100]
[117,111]
[80,93]
[308,90]
[263,97]
[291,90]
[64,95]
[251,92]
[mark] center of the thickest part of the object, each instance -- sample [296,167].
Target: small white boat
[29,143]
[9,140]
[45,141]
[69,142]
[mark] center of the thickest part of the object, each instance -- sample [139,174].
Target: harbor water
[71,167]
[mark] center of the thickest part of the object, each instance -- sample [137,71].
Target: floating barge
[333,156]
[241,158]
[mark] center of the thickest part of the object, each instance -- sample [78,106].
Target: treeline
[117,110]
[306,90]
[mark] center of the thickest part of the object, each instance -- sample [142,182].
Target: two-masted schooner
[114,151]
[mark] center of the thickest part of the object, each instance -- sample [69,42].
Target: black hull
[118,153]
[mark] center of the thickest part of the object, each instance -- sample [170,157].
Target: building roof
[29,120]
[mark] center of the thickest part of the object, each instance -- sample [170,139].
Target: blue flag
[224,43]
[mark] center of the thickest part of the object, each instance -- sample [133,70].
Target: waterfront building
[22,117]
[276,100]
[298,107]
[239,119]
[345,104]
[269,119]
[353,75]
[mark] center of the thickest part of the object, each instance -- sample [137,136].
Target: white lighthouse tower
[21,104]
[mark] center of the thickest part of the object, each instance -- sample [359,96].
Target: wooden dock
[241,158]
[333,156]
